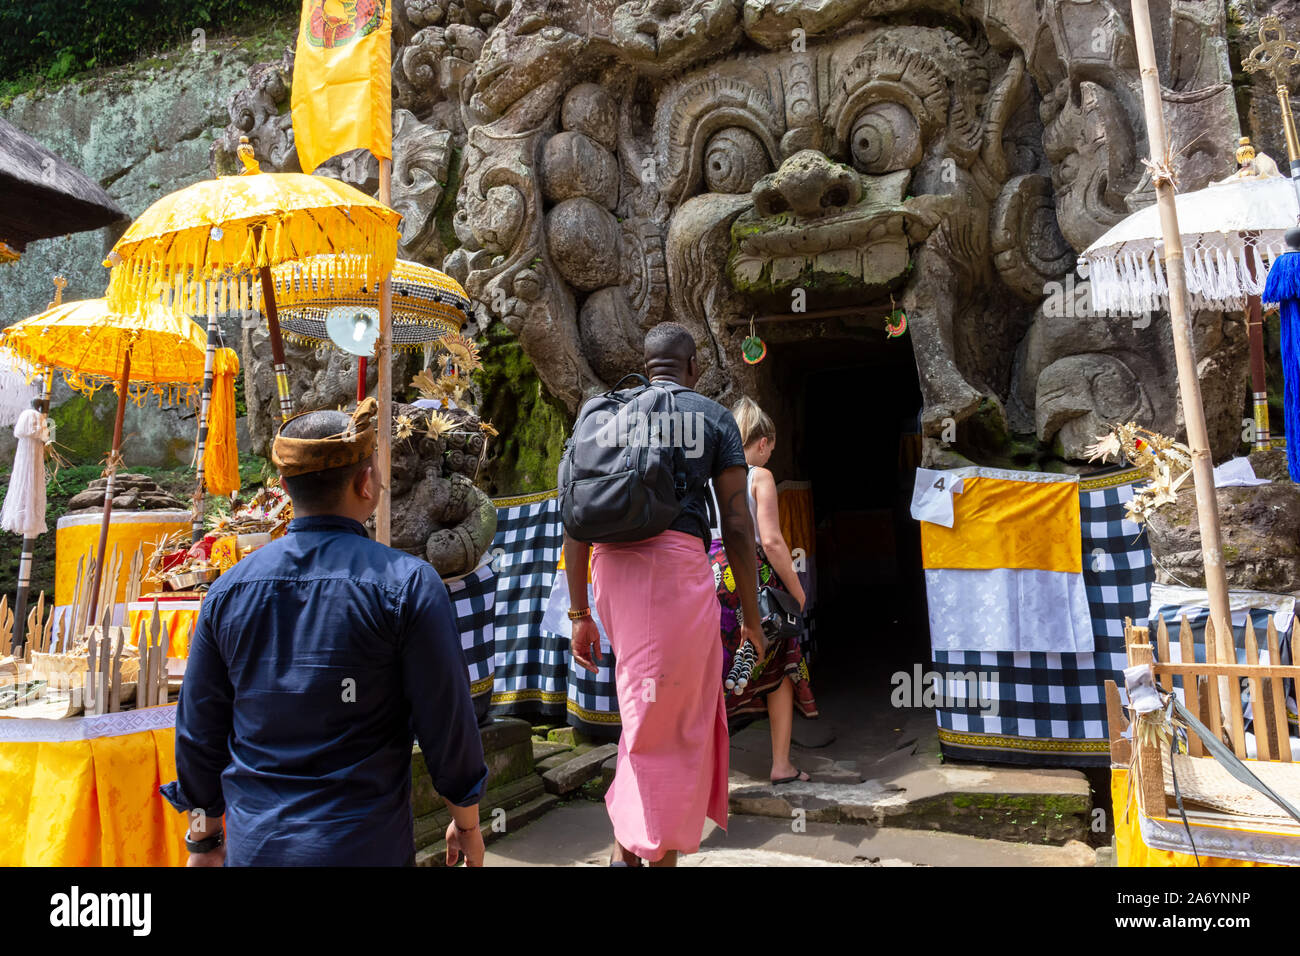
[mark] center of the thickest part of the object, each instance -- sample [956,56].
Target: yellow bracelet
[577,614]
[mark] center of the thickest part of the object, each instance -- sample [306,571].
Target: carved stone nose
[808,185]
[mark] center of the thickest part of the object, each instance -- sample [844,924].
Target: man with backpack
[634,481]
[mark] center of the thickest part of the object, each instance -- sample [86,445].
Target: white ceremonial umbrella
[1231,231]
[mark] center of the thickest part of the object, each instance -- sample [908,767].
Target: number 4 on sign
[932,496]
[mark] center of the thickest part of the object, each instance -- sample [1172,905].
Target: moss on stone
[447,207]
[533,425]
[82,434]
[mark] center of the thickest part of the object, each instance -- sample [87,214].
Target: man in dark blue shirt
[313,661]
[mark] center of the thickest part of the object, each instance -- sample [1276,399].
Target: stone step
[572,774]
[497,809]
[547,748]
[1022,806]
[435,854]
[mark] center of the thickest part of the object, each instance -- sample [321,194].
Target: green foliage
[56,38]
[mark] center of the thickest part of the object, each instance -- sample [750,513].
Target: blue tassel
[1283,287]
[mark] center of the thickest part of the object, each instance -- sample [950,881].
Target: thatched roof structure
[43,196]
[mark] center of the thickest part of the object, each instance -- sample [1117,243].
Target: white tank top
[749,498]
[753,505]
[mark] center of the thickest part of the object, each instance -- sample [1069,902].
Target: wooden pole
[100,554]
[277,343]
[361,378]
[384,386]
[1207,513]
[1258,378]
[205,407]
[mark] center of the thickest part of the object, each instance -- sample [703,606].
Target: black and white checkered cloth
[531,666]
[535,676]
[473,601]
[1050,709]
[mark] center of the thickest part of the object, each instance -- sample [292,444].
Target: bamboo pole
[1189,386]
[384,386]
[205,406]
[102,553]
[1255,335]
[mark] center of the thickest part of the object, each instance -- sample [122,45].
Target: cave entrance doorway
[846,402]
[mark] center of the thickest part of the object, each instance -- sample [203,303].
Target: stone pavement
[577,833]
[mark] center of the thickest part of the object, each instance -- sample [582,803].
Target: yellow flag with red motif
[342,82]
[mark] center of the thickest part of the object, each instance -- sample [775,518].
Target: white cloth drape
[24,507]
[1006,609]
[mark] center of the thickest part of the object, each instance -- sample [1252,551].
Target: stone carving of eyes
[734,159]
[885,138]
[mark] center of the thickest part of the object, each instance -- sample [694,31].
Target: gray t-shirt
[713,444]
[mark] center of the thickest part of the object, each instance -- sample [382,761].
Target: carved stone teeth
[787,268]
[847,261]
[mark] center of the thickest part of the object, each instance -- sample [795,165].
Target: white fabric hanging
[16,389]
[24,508]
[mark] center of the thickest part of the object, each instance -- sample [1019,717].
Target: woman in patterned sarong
[780,682]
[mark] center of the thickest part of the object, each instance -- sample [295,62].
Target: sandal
[799,777]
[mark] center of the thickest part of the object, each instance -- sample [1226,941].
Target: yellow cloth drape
[342,81]
[179,619]
[1129,848]
[221,454]
[77,535]
[999,523]
[90,802]
[794,501]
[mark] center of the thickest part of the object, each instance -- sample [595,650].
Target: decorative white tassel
[16,392]
[24,508]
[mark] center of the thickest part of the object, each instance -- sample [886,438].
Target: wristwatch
[578,613]
[206,845]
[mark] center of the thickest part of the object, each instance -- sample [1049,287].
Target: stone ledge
[435,854]
[430,828]
[572,774]
[1045,807]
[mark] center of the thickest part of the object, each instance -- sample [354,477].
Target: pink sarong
[657,601]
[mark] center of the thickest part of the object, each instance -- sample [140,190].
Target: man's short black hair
[319,490]
[669,341]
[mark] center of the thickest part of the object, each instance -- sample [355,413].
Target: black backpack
[618,479]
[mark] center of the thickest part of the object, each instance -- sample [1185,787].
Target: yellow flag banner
[342,80]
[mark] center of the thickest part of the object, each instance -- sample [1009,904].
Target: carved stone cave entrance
[846,402]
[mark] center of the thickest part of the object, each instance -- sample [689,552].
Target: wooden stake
[1191,686]
[122,385]
[1258,706]
[1281,725]
[384,386]
[1189,386]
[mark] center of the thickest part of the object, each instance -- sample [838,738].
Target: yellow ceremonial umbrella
[153,353]
[427,305]
[198,248]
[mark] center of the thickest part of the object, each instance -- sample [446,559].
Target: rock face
[141,132]
[1260,528]
[587,170]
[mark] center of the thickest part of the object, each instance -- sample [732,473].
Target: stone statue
[618,163]
[438,513]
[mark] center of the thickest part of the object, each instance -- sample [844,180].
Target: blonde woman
[780,681]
